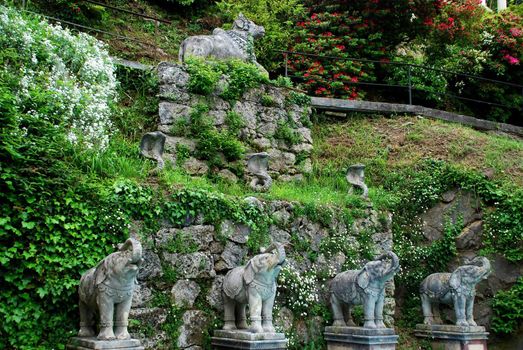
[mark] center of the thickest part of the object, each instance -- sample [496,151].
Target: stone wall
[262,109]
[186,267]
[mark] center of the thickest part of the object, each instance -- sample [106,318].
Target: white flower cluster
[76,69]
[487,38]
[300,290]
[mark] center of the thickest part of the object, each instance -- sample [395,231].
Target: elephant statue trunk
[456,288]
[106,291]
[255,285]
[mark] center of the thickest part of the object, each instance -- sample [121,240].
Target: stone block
[451,337]
[170,112]
[237,339]
[184,293]
[78,343]
[358,338]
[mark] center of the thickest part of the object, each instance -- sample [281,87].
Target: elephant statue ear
[249,272]
[455,279]
[100,272]
[363,278]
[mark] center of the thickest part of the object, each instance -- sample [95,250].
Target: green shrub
[267,101]
[240,77]
[508,309]
[180,127]
[298,98]
[203,76]
[182,153]
[211,142]
[234,122]
[283,82]
[286,133]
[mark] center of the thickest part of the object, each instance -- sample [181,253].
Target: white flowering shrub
[75,69]
[299,290]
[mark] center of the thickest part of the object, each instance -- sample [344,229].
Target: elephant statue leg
[267,315]
[121,320]
[428,317]
[229,317]
[347,311]
[86,321]
[436,314]
[337,312]
[241,318]
[459,307]
[106,306]
[255,310]
[469,310]
[369,306]
[378,311]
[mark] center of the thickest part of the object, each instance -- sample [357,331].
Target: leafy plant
[508,309]
[284,82]
[202,77]
[286,133]
[238,77]
[297,98]
[267,100]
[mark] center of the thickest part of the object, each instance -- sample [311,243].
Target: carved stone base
[238,339]
[78,343]
[359,338]
[450,337]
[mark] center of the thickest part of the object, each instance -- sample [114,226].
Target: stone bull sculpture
[107,290]
[225,44]
[457,288]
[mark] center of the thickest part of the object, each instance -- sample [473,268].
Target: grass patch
[384,144]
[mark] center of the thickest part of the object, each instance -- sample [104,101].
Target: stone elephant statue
[457,288]
[106,291]
[365,286]
[255,285]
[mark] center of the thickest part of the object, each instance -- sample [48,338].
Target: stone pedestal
[451,337]
[238,339]
[358,338]
[78,343]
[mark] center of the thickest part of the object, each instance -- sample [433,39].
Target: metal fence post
[285,58]
[410,84]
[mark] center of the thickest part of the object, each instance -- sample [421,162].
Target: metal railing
[410,87]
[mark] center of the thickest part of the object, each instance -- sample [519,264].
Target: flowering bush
[76,70]
[299,290]
[355,29]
